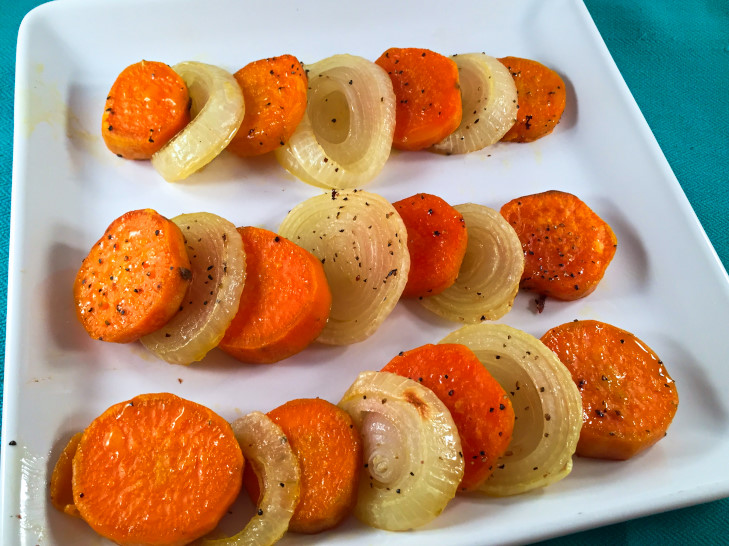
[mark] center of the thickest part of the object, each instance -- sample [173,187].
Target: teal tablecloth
[674,56]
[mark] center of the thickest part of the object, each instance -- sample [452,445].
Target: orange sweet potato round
[133,279]
[329,450]
[541,97]
[285,302]
[156,469]
[567,247]
[147,105]
[427,96]
[274,91]
[437,239]
[628,398]
[479,406]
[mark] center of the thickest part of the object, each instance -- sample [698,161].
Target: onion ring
[488,280]
[217,260]
[345,137]
[217,109]
[546,402]
[267,450]
[412,451]
[362,244]
[488,95]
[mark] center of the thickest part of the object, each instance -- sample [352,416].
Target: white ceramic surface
[665,284]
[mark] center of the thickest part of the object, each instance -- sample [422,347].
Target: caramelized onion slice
[266,448]
[218,265]
[362,244]
[488,95]
[412,451]
[547,406]
[489,277]
[345,137]
[217,111]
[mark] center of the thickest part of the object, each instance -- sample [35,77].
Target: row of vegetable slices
[333,124]
[187,285]
[415,445]
[488,409]
[333,272]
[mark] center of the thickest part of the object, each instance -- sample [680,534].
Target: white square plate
[665,284]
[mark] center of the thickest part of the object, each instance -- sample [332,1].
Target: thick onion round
[362,244]
[217,110]
[489,277]
[345,137]
[217,260]
[488,95]
[546,402]
[412,451]
[266,448]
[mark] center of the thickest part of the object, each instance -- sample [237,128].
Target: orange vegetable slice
[479,406]
[329,450]
[541,95]
[567,246]
[437,239]
[285,301]
[133,279]
[147,105]
[156,469]
[427,96]
[628,398]
[274,92]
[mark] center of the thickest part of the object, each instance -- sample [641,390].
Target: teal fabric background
[674,56]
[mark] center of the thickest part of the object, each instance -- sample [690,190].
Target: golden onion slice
[218,266]
[362,244]
[217,112]
[412,451]
[546,402]
[488,95]
[266,448]
[345,137]
[489,277]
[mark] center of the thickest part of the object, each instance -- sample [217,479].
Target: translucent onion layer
[218,269]
[217,109]
[345,137]
[488,280]
[547,406]
[362,244]
[412,451]
[488,94]
[266,448]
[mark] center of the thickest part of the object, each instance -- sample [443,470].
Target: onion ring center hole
[199,92]
[530,425]
[384,448]
[483,259]
[329,115]
[470,82]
